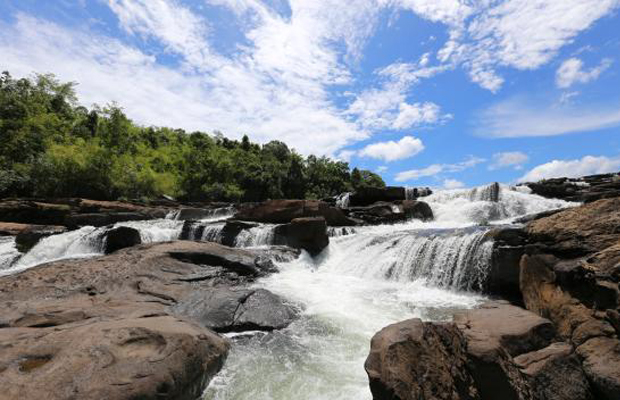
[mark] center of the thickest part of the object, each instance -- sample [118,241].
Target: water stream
[367,278]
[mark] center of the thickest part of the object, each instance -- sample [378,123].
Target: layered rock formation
[135,324]
[564,267]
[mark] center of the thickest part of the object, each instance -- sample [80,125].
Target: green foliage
[51,146]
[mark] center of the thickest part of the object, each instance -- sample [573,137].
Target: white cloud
[414,174]
[436,169]
[406,147]
[275,89]
[588,165]
[346,155]
[522,34]
[571,71]
[452,184]
[519,117]
[386,108]
[180,30]
[382,168]
[514,159]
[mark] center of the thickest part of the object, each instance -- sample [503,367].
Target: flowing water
[367,278]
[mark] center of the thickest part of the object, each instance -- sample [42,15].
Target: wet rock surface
[284,211]
[309,234]
[564,267]
[120,238]
[585,189]
[413,360]
[115,326]
[74,213]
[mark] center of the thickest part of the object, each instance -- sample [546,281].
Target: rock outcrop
[74,213]
[415,360]
[309,234]
[284,211]
[387,213]
[497,351]
[118,326]
[120,238]
[585,189]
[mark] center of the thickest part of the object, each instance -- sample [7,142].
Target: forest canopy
[51,146]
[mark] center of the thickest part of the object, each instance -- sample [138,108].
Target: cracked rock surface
[138,323]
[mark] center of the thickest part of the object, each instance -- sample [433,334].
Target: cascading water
[362,282]
[8,252]
[87,241]
[262,235]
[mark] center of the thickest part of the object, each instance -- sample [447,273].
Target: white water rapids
[367,278]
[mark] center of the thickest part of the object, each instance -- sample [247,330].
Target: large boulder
[601,363]
[496,332]
[555,373]
[504,271]
[415,360]
[284,211]
[120,238]
[226,310]
[74,213]
[112,327]
[309,234]
[368,195]
[145,357]
[386,212]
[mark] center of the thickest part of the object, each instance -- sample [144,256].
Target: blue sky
[443,93]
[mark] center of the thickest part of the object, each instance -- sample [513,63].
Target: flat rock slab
[110,327]
[499,324]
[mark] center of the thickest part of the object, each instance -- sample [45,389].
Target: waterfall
[8,252]
[452,258]
[343,200]
[413,193]
[262,235]
[337,231]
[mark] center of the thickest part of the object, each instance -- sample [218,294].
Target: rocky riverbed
[514,298]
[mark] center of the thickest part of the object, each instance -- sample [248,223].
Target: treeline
[50,146]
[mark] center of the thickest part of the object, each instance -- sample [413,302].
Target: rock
[309,234]
[111,327]
[386,213]
[284,211]
[369,195]
[555,373]
[33,212]
[503,274]
[414,360]
[75,221]
[120,238]
[496,332]
[74,213]
[579,231]
[601,363]
[417,210]
[130,358]
[499,324]
[585,189]
[542,294]
[226,310]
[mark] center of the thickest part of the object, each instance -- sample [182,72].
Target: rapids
[367,278]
